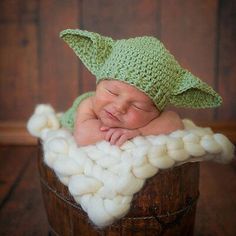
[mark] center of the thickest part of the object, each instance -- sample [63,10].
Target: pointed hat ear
[191,92]
[92,48]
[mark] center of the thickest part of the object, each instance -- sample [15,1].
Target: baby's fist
[118,136]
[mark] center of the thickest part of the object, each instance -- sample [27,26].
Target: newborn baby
[118,112]
[136,79]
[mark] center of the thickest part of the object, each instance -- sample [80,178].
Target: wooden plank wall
[37,67]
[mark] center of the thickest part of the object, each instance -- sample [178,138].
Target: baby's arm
[87,126]
[167,122]
[118,136]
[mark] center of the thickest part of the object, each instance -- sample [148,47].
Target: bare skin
[119,112]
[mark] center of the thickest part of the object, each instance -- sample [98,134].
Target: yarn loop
[103,178]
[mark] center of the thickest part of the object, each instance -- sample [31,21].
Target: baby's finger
[109,134]
[115,136]
[104,128]
[123,138]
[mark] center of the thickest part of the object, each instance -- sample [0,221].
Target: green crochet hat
[144,63]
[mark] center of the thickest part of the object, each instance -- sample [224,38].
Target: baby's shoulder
[81,98]
[172,118]
[86,104]
[170,113]
[85,109]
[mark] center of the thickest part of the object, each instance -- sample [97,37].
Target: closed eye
[138,107]
[112,92]
[142,107]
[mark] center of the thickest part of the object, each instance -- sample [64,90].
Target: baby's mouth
[111,116]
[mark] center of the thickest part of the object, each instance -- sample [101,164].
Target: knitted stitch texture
[144,63]
[68,118]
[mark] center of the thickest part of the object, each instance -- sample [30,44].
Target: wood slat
[227,61]
[37,67]
[122,19]
[8,177]
[23,212]
[216,207]
[15,133]
[163,196]
[18,70]
[58,65]
[18,11]
[189,32]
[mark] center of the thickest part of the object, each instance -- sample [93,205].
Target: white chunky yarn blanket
[103,178]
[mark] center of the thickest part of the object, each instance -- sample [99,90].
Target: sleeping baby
[136,79]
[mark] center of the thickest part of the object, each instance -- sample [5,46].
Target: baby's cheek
[100,102]
[136,120]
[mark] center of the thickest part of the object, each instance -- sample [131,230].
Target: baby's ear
[92,48]
[191,92]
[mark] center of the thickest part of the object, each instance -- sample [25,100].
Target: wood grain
[58,64]
[18,70]
[217,206]
[165,205]
[226,59]
[192,41]
[8,177]
[216,209]
[15,133]
[17,11]
[22,211]
[38,67]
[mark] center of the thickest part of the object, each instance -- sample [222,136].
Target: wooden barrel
[166,205]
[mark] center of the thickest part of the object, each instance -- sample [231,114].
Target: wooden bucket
[166,205]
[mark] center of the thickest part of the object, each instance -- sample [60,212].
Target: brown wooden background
[37,67]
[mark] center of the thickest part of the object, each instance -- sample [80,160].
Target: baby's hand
[117,136]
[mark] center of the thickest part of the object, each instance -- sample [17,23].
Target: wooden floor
[22,210]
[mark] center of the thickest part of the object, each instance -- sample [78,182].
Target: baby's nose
[121,106]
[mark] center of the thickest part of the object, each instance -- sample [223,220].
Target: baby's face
[118,104]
